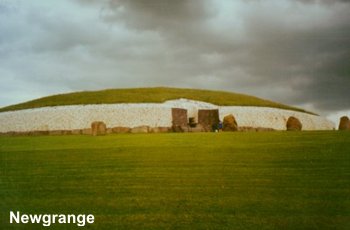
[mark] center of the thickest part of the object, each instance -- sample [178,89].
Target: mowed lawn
[267,180]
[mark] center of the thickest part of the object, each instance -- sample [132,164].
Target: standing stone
[208,118]
[179,122]
[229,123]
[344,123]
[293,124]
[98,128]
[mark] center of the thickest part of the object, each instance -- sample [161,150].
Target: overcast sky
[296,52]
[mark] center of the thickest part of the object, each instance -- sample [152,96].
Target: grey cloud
[312,57]
[282,48]
[324,1]
[286,51]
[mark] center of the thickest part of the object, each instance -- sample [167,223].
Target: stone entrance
[179,119]
[208,118]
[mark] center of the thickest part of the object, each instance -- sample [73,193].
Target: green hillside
[143,95]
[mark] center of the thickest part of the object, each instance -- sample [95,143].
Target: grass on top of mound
[144,95]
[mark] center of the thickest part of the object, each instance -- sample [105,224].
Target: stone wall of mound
[81,117]
[274,118]
[148,114]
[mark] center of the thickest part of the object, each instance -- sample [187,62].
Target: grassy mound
[144,95]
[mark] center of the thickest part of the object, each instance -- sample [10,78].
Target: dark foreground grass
[277,180]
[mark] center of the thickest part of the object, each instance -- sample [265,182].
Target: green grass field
[275,180]
[143,95]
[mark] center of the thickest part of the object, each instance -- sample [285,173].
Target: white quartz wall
[273,118]
[150,114]
[80,117]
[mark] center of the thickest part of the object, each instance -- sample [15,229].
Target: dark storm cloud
[323,1]
[296,52]
[157,13]
[306,57]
